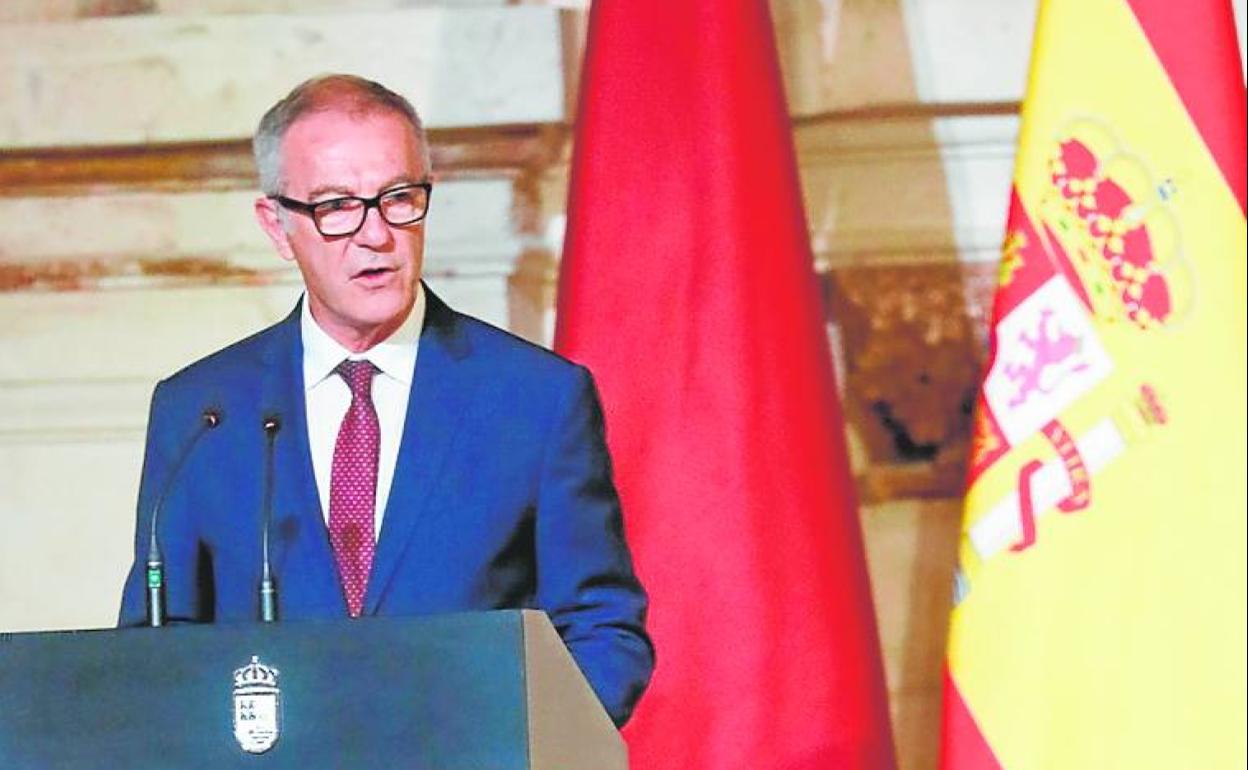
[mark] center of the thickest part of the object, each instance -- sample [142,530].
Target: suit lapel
[441,392]
[300,542]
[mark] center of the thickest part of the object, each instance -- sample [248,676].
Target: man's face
[362,286]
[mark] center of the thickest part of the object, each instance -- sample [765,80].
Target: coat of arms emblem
[256,702]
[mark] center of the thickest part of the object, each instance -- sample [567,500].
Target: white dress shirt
[327,396]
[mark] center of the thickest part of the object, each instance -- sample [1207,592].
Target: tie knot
[358,376]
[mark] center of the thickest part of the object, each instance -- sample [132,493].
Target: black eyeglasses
[398,206]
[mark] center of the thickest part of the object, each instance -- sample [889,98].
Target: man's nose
[375,231]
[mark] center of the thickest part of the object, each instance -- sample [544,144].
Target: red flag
[688,288]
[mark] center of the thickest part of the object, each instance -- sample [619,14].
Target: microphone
[210,419]
[268,587]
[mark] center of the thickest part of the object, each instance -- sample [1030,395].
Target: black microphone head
[272,423]
[211,417]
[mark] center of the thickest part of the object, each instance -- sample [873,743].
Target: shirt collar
[395,356]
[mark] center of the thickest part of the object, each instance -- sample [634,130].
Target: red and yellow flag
[1100,601]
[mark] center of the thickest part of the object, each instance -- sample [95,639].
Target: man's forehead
[333,122]
[332,149]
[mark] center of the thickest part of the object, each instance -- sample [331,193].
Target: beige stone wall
[127,247]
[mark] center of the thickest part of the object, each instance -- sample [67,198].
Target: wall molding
[505,150]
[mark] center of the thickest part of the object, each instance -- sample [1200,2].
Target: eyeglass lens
[341,216]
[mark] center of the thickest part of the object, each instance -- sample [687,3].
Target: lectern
[473,691]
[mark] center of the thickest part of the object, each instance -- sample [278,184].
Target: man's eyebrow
[325,189]
[400,179]
[337,189]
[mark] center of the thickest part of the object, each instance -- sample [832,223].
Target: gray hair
[353,94]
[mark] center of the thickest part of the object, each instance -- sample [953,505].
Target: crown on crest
[1113,225]
[255,674]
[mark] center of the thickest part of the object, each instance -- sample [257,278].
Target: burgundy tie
[353,484]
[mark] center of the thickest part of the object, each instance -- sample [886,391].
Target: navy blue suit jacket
[502,497]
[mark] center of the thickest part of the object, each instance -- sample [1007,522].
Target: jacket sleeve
[585,578]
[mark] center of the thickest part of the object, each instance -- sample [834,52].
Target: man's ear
[271,222]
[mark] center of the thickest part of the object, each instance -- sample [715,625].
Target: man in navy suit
[423,461]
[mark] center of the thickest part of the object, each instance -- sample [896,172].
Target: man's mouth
[372,273]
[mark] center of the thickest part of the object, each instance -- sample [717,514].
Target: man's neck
[357,341]
[361,341]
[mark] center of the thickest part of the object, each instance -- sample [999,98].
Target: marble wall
[127,246]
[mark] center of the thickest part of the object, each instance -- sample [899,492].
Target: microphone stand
[268,586]
[210,419]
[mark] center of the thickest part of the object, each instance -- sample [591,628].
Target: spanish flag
[1099,617]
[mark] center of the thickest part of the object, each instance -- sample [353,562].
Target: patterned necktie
[353,484]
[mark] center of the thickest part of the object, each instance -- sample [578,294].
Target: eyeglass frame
[309,209]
